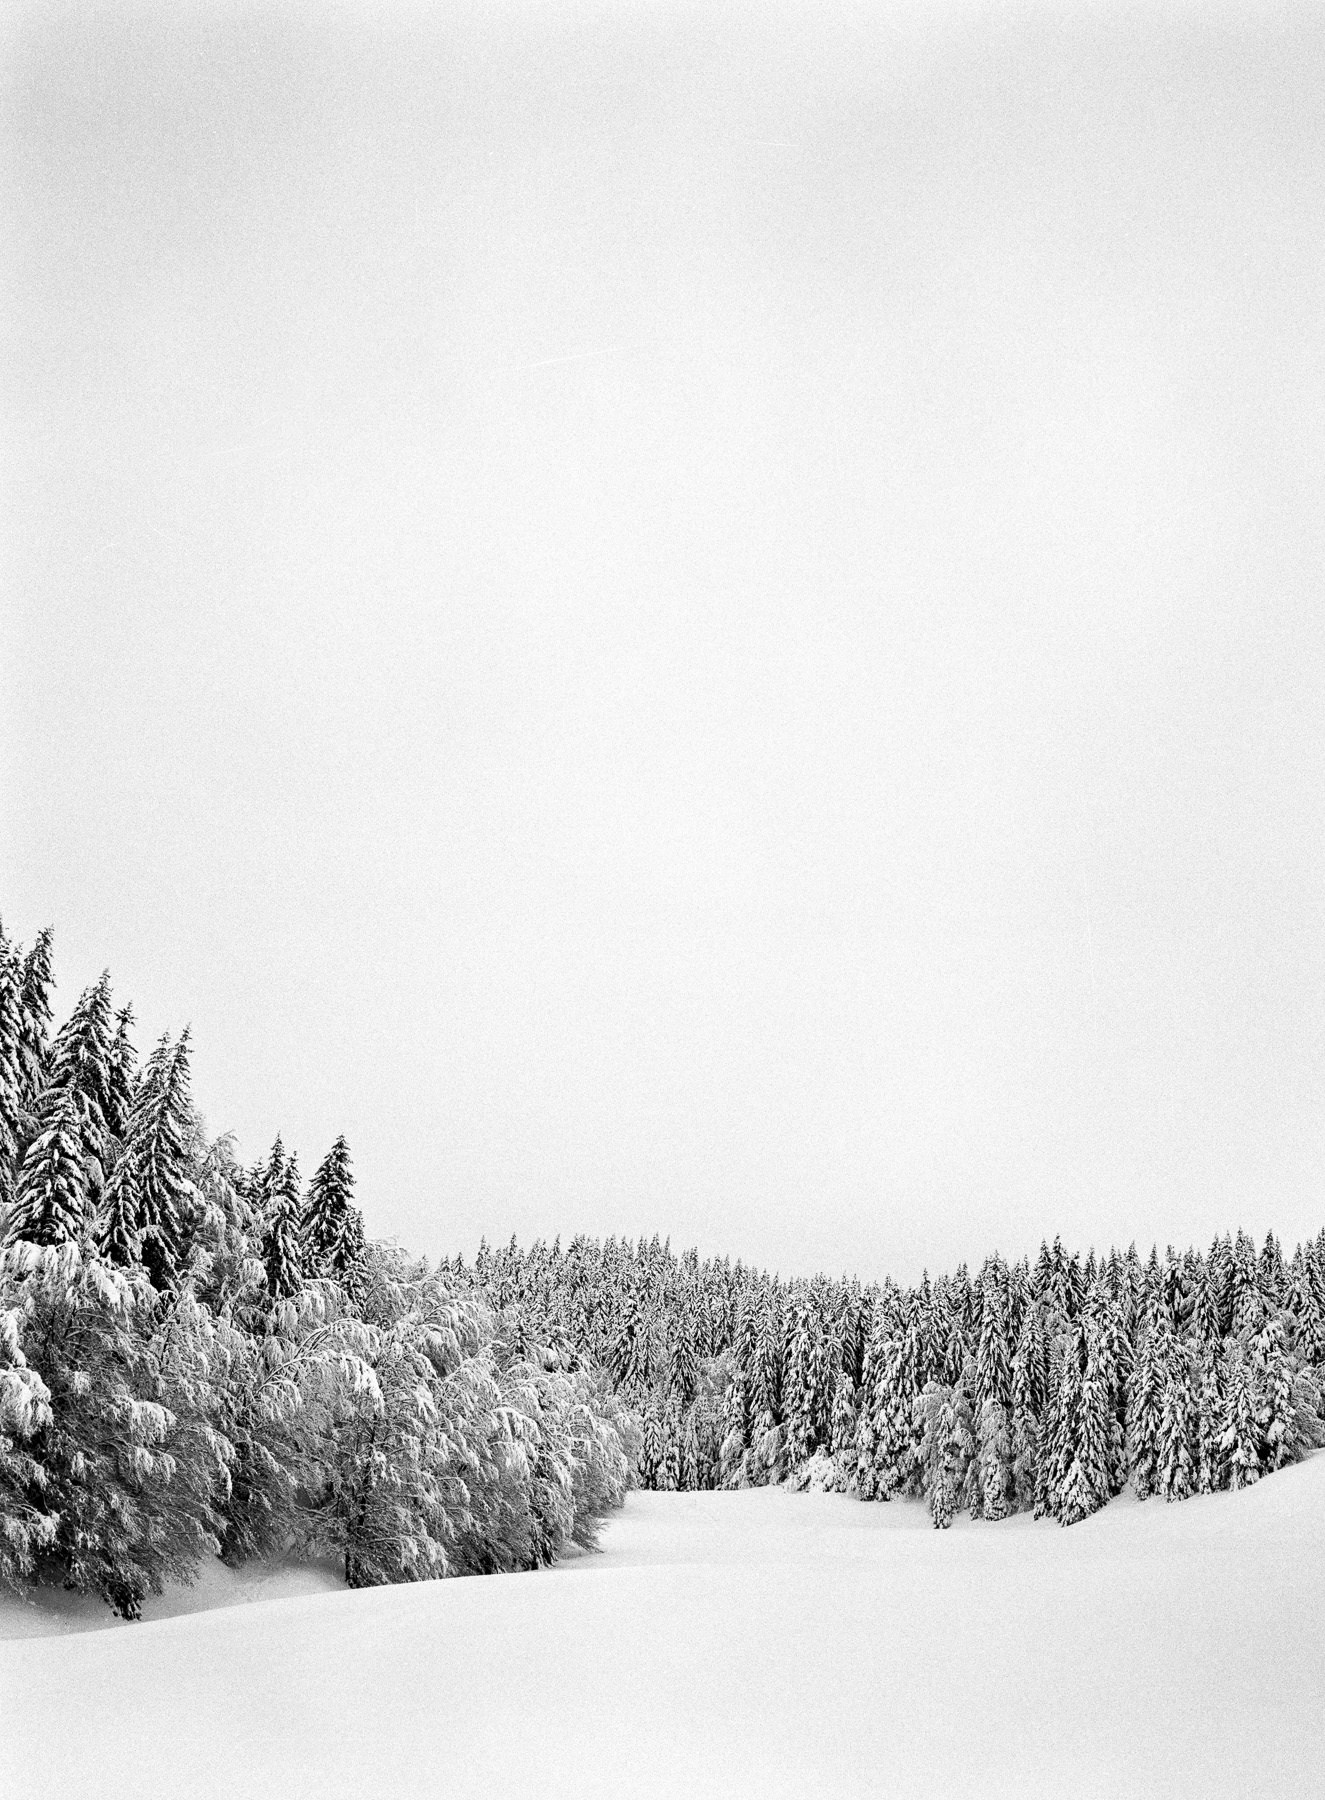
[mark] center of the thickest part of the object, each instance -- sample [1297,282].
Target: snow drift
[757,1642]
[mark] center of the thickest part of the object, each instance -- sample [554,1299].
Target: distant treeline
[197,1358]
[1044,1388]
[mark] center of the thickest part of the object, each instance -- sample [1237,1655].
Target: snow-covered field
[754,1643]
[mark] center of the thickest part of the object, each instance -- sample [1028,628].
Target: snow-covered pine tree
[1176,1474]
[122,1075]
[1211,1474]
[996,1462]
[898,1422]
[682,1365]
[1083,1448]
[1030,1362]
[947,1448]
[1144,1412]
[768,1363]
[132,1463]
[1204,1320]
[736,1428]
[805,1394]
[30,1522]
[149,1198]
[1240,1439]
[331,1229]
[1288,1397]
[691,1460]
[11,1063]
[993,1357]
[1304,1303]
[281,1257]
[1246,1300]
[38,980]
[51,1204]
[652,1451]
[79,1066]
[632,1361]
[669,1476]
[844,1423]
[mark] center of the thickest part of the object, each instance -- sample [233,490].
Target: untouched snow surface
[761,1643]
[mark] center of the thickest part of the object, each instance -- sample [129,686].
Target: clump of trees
[201,1359]
[1044,1387]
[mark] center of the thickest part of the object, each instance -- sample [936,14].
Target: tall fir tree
[1176,1474]
[122,1075]
[331,1230]
[281,1258]
[1144,1413]
[80,1065]
[1240,1439]
[149,1198]
[38,980]
[51,1202]
[11,1062]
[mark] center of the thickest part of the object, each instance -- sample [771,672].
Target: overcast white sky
[694,619]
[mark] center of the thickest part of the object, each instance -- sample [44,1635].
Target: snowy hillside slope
[759,1642]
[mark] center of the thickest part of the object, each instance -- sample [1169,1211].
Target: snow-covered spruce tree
[1211,1473]
[11,1065]
[24,1012]
[121,1076]
[1305,1304]
[79,1071]
[993,1359]
[1030,1378]
[1288,1395]
[331,1228]
[1144,1413]
[845,1419]
[281,1258]
[996,1461]
[947,1448]
[652,1448]
[150,1197]
[1240,1439]
[669,1476]
[898,1421]
[27,1522]
[864,1447]
[1176,1475]
[1247,1302]
[1081,1448]
[692,1467]
[739,1403]
[737,1424]
[632,1358]
[38,980]
[51,1202]
[805,1398]
[682,1367]
[131,1463]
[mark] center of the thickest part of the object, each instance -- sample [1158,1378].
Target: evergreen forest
[199,1358]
